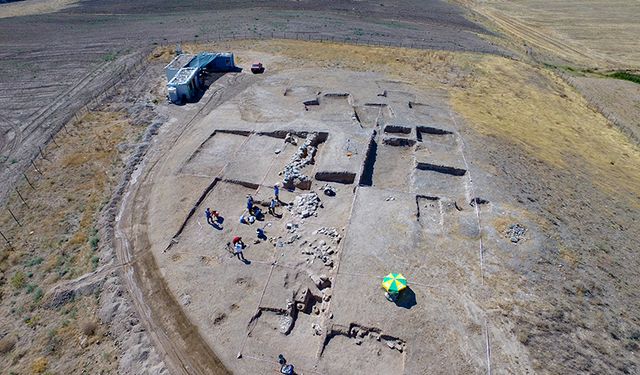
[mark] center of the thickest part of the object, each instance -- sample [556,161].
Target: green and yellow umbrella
[394,282]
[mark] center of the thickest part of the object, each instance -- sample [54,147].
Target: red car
[257,68]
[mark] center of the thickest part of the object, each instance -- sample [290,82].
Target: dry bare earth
[57,61]
[578,317]
[563,300]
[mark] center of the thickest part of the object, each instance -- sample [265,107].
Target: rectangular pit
[258,160]
[398,142]
[393,168]
[339,177]
[397,129]
[369,356]
[439,181]
[453,171]
[299,346]
[212,155]
[430,213]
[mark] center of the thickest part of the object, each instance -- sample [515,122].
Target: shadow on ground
[407,299]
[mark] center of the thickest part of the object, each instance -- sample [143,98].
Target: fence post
[34,167]
[41,153]
[14,216]
[6,239]
[53,139]
[29,182]
[21,198]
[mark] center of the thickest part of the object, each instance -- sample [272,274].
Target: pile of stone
[306,205]
[321,281]
[292,175]
[331,232]
[319,248]
[516,232]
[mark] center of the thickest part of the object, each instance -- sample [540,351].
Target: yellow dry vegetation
[427,68]
[31,7]
[70,192]
[81,169]
[162,54]
[40,365]
[590,33]
[535,109]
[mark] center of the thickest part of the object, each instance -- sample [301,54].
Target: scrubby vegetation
[626,76]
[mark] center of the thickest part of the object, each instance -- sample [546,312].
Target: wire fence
[425,42]
[60,120]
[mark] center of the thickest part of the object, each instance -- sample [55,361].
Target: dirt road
[178,341]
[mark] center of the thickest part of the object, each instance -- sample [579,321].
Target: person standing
[272,206]
[276,192]
[238,251]
[209,216]
[250,204]
[237,240]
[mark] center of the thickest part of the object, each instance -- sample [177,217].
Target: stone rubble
[306,205]
[516,232]
[290,139]
[292,175]
[319,248]
[317,329]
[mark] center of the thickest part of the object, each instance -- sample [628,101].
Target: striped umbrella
[394,282]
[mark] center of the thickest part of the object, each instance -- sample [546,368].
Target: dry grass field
[32,7]
[57,241]
[595,34]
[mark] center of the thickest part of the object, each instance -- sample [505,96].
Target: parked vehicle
[257,68]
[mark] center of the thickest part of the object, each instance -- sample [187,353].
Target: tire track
[542,40]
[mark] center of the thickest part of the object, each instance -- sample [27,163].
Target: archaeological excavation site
[344,187]
[374,179]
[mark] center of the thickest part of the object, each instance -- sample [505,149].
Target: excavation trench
[366,176]
[441,169]
[420,130]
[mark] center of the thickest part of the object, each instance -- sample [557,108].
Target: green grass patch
[95,260]
[94,240]
[35,261]
[111,56]
[18,280]
[626,76]
[37,295]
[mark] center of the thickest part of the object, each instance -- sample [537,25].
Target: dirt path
[177,340]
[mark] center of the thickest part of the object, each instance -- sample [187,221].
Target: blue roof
[205,58]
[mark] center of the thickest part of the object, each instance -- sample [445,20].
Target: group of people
[255,213]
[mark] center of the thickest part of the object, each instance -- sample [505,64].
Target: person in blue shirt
[272,207]
[250,204]
[209,216]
